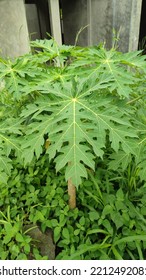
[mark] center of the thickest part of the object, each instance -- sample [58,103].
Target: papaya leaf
[76,127]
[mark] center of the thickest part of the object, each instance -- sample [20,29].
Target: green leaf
[117,219]
[130,239]
[97,230]
[142,170]
[119,159]
[76,232]
[77,129]
[57,233]
[5,164]
[19,237]
[107,210]
[65,233]
[54,222]
[11,231]
[38,216]
[87,248]
[93,215]
[116,254]
[120,195]
[27,248]
[82,221]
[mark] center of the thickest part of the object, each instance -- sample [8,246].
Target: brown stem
[72,194]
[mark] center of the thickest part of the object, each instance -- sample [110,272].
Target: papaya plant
[71,103]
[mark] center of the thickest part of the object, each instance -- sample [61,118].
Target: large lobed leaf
[77,123]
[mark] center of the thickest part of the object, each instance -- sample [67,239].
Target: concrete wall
[102,16]
[14,39]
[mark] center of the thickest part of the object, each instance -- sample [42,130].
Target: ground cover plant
[72,153]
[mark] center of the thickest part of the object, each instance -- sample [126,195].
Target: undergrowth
[109,222]
[71,113]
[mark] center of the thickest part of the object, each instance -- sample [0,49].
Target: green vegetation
[73,116]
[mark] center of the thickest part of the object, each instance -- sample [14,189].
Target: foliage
[79,113]
[109,222]
[75,98]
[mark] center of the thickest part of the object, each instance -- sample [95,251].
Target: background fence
[20,20]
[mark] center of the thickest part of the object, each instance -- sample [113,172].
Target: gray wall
[14,39]
[102,16]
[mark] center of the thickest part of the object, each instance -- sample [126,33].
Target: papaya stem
[72,194]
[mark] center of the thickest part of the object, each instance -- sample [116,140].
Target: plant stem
[72,194]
